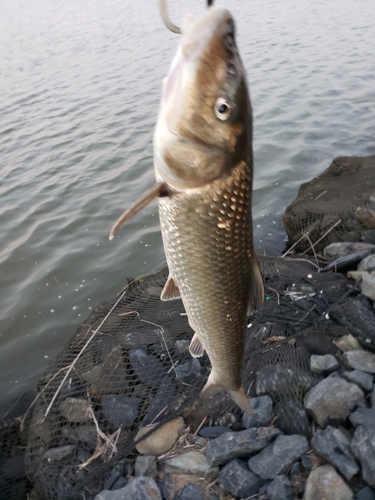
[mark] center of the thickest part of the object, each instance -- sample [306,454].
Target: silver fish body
[204,167]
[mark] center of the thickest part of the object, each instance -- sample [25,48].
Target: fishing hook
[164,14]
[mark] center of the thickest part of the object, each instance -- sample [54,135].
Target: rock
[332,399]
[278,378]
[109,377]
[291,416]
[146,366]
[367,264]
[363,447]
[164,396]
[112,480]
[364,380]
[276,458]
[214,431]
[280,489]
[262,415]
[145,465]
[166,487]
[82,434]
[360,360]
[324,483]
[182,347]
[334,446]
[365,494]
[58,454]
[192,462]
[339,249]
[236,478]
[368,285]
[162,439]
[307,462]
[75,410]
[190,492]
[239,444]
[140,488]
[192,366]
[120,410]
[323,364]
[348,343]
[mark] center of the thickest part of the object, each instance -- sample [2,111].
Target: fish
[203,162]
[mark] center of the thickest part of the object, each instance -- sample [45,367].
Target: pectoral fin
[170,290]
[256,292]
[196,347]
[160,189]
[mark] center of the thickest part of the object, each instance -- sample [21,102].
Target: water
[79,92]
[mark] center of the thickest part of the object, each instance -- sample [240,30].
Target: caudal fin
[238,396]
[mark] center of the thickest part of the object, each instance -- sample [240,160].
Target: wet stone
[236,478]
[332,399]
[140,488]
[190,492]
[280,489]
[276,458]
[145,465]
[363,447]
[214,431]
[364,380]
[324,483]
[242,444]
[191,367]
[360,360]
[334,446]
[161,440]
[262,415]
[191,462]
[323,364]
[58,454]
[75,410]
[368,285]
[120,410]
[365,494]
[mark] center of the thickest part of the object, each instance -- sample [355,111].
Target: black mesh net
[338,205]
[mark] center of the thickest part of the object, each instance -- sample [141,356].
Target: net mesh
[338,205]
[128,365]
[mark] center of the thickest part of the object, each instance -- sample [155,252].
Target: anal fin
[196,347]
[170,290]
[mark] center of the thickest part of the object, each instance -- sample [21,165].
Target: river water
[79,92]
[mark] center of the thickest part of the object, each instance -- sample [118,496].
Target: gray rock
[75,410]
[276,458]
[368,285]
[365,494]
[191,462]
[334,446]
[348,343]
[182,347]
[58,454]
[367,264]
[190,492]
[214,431]
[262,415]
[146,365]
[86,434]
[109,377]
[324,483]
[111,480]
[145,465]
[280,489]
[120,410]
[360,360]
[140,488]
[307,462]
[239,444]
[339,249]
[364,380]
[166,486]
[192,366]
[278,378]
[323,364]
[236,478]
[120,482]
[363,447]
[332,399]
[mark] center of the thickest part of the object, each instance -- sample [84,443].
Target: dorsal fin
[170,290]
[196,347]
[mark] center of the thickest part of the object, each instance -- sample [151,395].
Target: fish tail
[238,395]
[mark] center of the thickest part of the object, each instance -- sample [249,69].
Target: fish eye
[222,108]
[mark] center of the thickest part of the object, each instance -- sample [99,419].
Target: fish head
[204,126]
